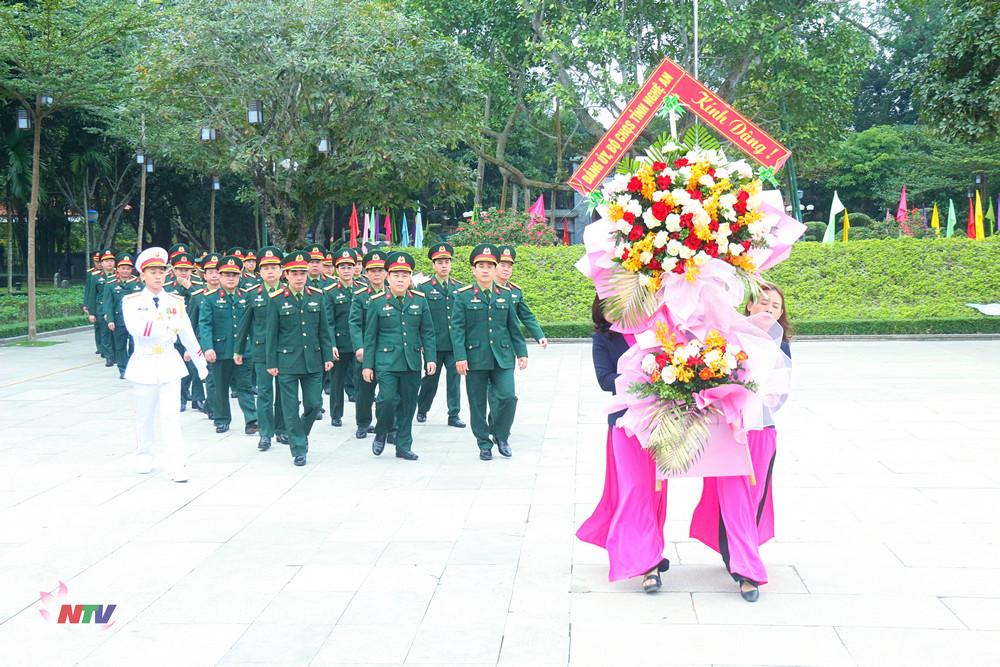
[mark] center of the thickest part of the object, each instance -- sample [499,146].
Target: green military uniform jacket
[88,287]
[357,318]
[249,281]
[484,329]
[253,323]
[298,340]
[320,283]
[114,292]
[524,313]
[339,300]
[96,296]
[397,331]
[440,300]
[194,305]
[219,319]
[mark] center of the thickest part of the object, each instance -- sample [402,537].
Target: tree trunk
[211,222]
[36,150]
[513,196]
[256,224]
[503,190]
[481,165]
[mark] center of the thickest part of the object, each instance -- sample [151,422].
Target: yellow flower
[690,271]
[632,263]
[615,212]
[720,187]
[703,232]
[684,374]
[666,337]
[714,339]
[744,262]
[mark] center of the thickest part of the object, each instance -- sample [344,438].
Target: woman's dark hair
[601,324]
[786,325]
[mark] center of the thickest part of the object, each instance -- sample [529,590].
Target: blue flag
[406,232]
[418,231]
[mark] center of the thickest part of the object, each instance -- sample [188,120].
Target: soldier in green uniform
[209,264]
[88,289]
[184,284]
[114,291]
[298,350]
[317,279]
[375,273]
[253,330]
[329,270]
[218,322]
[487,341]
[250,265]
[339,298]
[353,372]
[94,306]
[398,330]
[440,293]
[359,268]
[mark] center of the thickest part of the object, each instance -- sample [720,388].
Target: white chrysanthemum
[701,258]
[756,229]
[727,200]
[624,200]
[623,227]
[735,249]
[742,168]
[669,263]
[674,247]
[692,349]
[680,196]
[673,223]
[724,230]
[686,252]
[634,207]
[692,206]
[644,280]
[706,181]
[729,359]
[668,375]
[722,173]
[684,173]
[617,184]
[644,257]
[723,245]
[650,219]
[679,355]
[702,218]
[712,356]
[649,364]
[660,239]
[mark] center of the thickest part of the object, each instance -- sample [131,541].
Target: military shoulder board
[361,291]
[277,292]
[376,295]
[197,292]
[329,287]
[511,285]
[416,293]
[463,289]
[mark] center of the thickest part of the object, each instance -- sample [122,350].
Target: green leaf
[698,136]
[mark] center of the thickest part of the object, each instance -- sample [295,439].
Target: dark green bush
[814,231]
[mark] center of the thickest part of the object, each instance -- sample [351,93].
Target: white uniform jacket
[154,329]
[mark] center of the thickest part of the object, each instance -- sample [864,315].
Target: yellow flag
[979,218]
[936,221]
[847,225]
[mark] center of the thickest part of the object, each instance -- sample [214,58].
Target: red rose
[742,195]
[636,233]
[661,359]
[679,266]
[687,220]
[695,194]
[692,241]
[654,265]
[624,254]
[713,226]
[635,185]
[711,172]
[660,210]
[659,166]
[740,207]
[663,182]
[712,249]
[628,217]
[680,162]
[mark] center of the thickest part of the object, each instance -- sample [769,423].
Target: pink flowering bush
[504,228]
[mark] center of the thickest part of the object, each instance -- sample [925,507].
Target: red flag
[387,227]
[355,229]
[565,231]
[970,229]
[903,215]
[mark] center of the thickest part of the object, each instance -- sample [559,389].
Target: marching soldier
[95,303]
[339,298]
[218,321]
[155,319]
[359,276]
[250,265]
[375,274]
[440,293]
[354,373]
[253,328]
[298,350]
[486,340]
[328,270]
[505,269]
[111,313]
[317,254]
[184,284]
[210,274]
[88,288]
[398,330]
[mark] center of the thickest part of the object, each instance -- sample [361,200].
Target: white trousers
[159,400]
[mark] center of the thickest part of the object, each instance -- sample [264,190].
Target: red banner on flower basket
[670,79]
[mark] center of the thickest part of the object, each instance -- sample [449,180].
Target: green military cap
[508,253]
[182,260]
[270,254]
[357,255]
[400,261]
[296,260]
[211,260]
[235,251]
[177,249]
[375,259]
[441,251]
[316,252]
[231,264]
[344,256]
[125,258]
[484,252]
[107,253]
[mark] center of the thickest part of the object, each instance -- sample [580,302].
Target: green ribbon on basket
[672,103]
[594,199]
[766,174]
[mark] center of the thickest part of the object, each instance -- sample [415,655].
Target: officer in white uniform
[155,319]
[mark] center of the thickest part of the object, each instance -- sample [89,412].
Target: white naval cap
[151,258]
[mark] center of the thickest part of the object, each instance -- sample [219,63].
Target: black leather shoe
[504,448]
[282,438]
[456,422]
[319,415]
[121,376]
[748,590]
[485,455]
[421,417]
[109,363]
[184,406]
[299,460]
[350,399]
[361,433]
[335,421]
[378,445]
[222,428]
[371,429]
[409,456]
[232,393]
[391,437]
[264,444]
[197,405]
[251,428]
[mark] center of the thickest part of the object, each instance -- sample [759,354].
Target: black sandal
[751,594]
[651,582]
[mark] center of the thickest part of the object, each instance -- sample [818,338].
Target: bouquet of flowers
[691,384]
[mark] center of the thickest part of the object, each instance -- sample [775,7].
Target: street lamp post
[211,213]
[146,168]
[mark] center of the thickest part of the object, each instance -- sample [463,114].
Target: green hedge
[58,308]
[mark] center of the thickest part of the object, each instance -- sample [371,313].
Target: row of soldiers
[274,326]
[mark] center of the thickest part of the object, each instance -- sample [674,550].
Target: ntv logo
[74,614]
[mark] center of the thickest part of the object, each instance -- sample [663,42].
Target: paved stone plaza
[887,489]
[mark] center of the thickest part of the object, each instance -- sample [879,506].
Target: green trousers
[298,425]
[495,386]
[363,399]
[270,418]
[351,377]
[453,385]
[228,374]
[104,343]
[338,381]
[122,344]
[396,405]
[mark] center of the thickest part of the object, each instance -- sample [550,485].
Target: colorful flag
[367,230]
[418,231]
[952,220]
[847,225]
[979,218]
[970,225]
[374,224]
[831,228]
[354,226]
[388,227]
[923,216]
[902,215]
[406,232]
[566,231]
[992,217]
[936,221]
[538,208]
